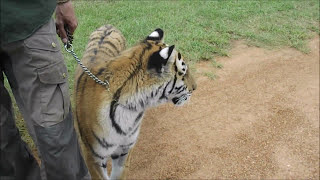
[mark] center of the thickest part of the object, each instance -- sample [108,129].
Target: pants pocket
[43,46]
[54,93]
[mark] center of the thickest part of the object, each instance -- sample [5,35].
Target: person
[31,60]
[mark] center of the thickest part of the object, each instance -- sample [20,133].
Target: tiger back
[143,76]
[104,44]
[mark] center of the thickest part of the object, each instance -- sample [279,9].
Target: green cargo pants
[38,78]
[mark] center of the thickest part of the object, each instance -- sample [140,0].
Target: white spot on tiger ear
[164,53]
[154,34]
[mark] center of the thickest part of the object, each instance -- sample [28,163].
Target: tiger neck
[147,98]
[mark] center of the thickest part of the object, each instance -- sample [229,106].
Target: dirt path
[259,119]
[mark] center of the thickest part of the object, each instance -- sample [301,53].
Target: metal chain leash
[69,48]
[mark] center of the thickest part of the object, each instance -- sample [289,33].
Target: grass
[200,30]
[210,75]
[217,64]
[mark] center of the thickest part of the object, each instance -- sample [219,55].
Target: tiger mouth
[180,100]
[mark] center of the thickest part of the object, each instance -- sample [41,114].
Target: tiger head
[168,67]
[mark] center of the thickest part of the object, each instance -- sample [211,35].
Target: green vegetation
[210,75]
[201,29]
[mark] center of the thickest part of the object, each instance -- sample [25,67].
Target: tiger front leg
[118,166]
[103,171]
[97,166]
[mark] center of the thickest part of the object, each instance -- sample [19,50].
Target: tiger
[109,117]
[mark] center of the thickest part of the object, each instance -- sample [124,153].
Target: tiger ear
[165,53]
[159,59]
[156,35]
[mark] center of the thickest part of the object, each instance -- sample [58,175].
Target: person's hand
[65,17]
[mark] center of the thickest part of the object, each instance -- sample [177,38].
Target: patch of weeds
[217,64]
[210,75]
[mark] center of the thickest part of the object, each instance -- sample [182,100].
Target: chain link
[69,48]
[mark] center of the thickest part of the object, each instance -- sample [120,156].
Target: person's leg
[38,77]
[16,160]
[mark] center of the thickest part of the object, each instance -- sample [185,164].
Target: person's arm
[65,16]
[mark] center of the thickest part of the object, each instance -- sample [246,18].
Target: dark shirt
[21,18]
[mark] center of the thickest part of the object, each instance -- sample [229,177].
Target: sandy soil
[258,119]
